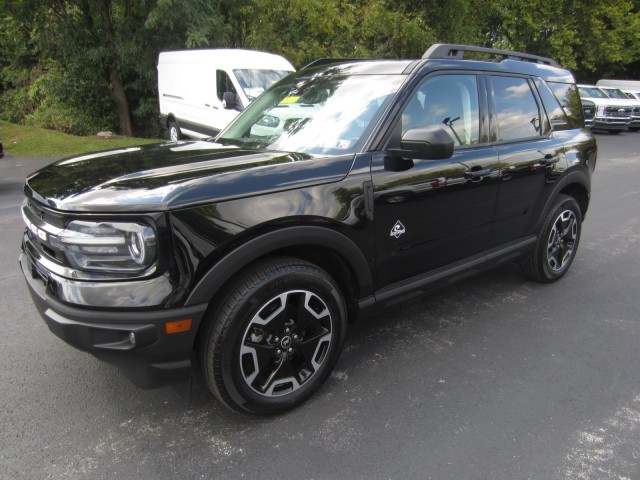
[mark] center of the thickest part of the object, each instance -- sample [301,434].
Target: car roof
[451,57]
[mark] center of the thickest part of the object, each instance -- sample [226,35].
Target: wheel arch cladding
[581,195]
[575,184]
[328,249]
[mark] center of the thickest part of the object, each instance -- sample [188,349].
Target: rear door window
[517,115]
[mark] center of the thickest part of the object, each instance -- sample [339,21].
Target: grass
[23,141]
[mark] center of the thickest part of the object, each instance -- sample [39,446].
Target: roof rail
[446,50]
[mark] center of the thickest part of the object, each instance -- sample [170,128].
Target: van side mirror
[428,143]
[229,100]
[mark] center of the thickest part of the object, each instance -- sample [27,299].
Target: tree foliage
[85,65]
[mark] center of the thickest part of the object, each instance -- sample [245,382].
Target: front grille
[41,224]
[618,111]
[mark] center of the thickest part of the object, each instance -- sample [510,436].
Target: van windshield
[322,114]
[254,81]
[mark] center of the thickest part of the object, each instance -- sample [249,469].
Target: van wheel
[174,131]
[274,337]
[557,242]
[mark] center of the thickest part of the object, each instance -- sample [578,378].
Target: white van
[201,91]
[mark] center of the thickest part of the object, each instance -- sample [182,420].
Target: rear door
[529,153]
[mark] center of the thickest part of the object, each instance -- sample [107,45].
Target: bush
[57,106]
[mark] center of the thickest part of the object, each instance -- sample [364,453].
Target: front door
[431,213]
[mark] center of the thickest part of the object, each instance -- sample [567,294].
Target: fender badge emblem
[398,229]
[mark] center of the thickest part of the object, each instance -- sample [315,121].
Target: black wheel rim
[562,240]
[286,343]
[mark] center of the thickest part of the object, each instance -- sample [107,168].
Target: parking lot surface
[492,378]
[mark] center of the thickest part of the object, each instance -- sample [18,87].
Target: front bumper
[635,122]
[610,123]
[149,358]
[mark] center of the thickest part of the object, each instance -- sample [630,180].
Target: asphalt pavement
[492,378]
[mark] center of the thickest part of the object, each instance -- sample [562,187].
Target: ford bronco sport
[346,187]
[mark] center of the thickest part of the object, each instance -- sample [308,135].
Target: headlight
[108,247]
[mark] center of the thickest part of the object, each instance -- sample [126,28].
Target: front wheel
[274,338]
[173,131]
[558,241]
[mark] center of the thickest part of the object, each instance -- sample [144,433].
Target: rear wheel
[557,243]
[274,338]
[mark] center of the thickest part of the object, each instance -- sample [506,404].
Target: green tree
[594,39]
[97,49]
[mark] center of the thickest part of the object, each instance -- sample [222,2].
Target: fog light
[132,338]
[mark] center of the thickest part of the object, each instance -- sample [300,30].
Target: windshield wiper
[227,141]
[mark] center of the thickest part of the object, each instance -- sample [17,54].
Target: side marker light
[178,326]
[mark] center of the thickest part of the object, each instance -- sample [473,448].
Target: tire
[557,243]
[274,337]
[634,129]
[173,130]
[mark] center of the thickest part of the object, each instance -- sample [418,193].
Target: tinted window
[223,83]
[516,108]
[450,101]
[552,106]
[568,96]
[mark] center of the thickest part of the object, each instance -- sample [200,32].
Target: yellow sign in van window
[289,100]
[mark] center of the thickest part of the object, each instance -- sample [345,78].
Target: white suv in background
[612,114]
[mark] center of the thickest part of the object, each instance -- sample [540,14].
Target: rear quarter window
[567,95]
[552,106]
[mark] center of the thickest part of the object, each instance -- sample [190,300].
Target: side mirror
[428,143]
[229,100]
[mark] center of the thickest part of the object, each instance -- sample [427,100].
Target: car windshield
[254,81]
[615,93]
[329,113]
[591,92]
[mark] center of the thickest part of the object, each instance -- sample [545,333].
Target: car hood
[174,175]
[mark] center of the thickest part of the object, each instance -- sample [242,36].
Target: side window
[551,105]
[569,97]
[223,83]
[517,111]
[450,101]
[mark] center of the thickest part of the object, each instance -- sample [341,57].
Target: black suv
[346,187]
